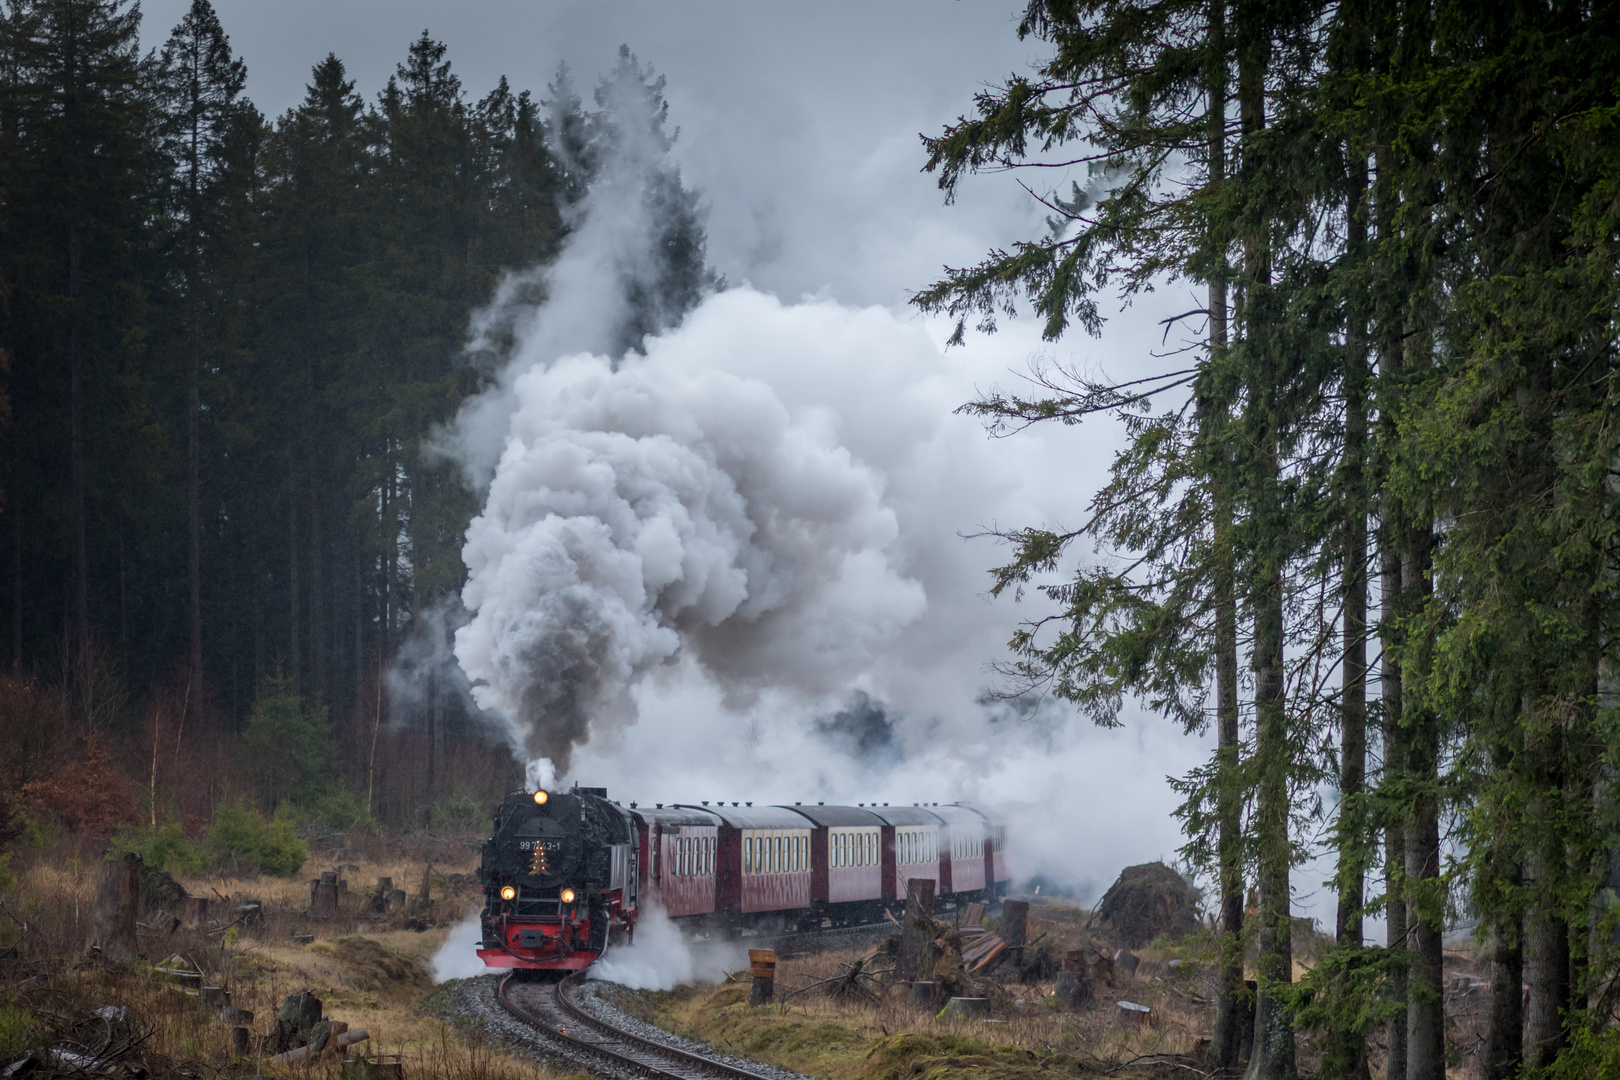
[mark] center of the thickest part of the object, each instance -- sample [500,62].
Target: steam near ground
[662,957]
[458,957]
[731,564]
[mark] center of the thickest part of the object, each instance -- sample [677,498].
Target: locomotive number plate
[543,845]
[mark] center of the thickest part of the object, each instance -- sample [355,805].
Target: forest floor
[371,971]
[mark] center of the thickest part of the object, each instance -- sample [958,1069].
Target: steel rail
[642,1056]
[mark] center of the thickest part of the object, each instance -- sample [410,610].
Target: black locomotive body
[559,877]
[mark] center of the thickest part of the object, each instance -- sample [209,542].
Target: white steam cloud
[662,958]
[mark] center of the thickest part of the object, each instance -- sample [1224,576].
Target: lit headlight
[508,892]
[540,798]
[568,896]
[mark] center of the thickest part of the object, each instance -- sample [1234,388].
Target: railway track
[549,1007]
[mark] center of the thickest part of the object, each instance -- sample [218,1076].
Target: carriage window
[708,846]
[781,842]
[748,856]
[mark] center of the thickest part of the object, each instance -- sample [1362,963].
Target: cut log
[975,914]
[989,957]
[114,909]
[763,990]
[1131,1015]
[1127,961]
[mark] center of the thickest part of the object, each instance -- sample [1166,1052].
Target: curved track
[547,1006]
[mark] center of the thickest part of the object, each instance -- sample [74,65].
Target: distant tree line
[226,340]
[1365,525]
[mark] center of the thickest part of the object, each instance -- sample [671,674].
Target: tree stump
[324,896]
[1074,990]
[239,1042]
[1127,961]
[114,909]
[924,995]
[916,957]
[194,912]
[762,965]
[962,1008]
[1014,923]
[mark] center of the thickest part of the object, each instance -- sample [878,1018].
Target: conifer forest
[1369,503]
[1363,534]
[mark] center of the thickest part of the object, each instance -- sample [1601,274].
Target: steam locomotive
[565,874]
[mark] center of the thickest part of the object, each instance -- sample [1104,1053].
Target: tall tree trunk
[1546,957]
[359,631]
[1273,1057]
[1425,899]
[194,502]
[317,591]
[1349,1056]
[1504,1034]
[81,560]
[1231,1006]
[16,588]
[295,649]
[1394,768]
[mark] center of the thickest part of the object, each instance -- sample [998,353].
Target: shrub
[167,847]
[241,839]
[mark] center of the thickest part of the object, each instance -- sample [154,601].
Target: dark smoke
[864,731]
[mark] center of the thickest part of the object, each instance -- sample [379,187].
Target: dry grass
[370,973]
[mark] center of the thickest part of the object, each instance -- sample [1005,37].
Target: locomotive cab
[559,880]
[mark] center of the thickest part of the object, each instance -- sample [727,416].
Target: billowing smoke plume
[665,505]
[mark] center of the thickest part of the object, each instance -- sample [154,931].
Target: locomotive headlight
[541,798]
[568,896]
[508,892]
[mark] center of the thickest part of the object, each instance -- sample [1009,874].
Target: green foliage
[336,808]
[20,1030]
[240,839]
[166,847]
[287,748]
